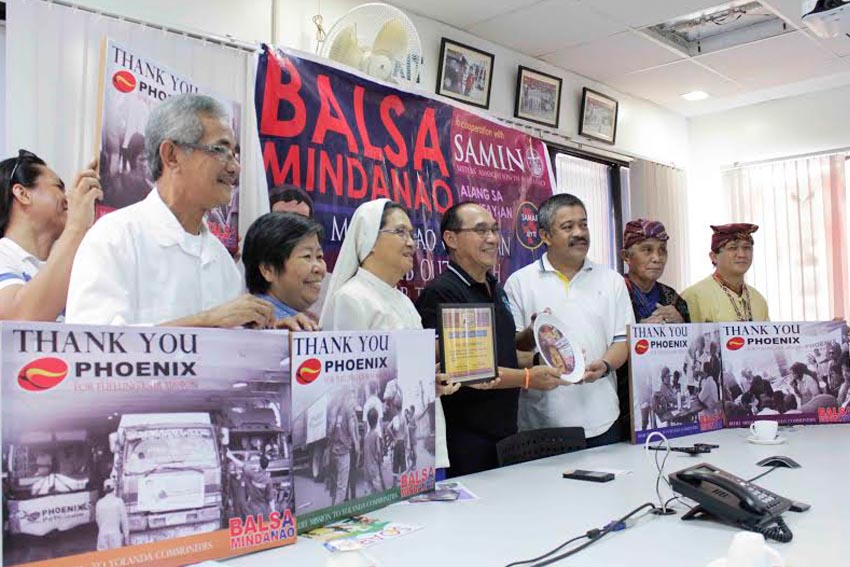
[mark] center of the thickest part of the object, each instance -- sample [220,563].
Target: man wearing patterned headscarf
[723,296]
[645,252]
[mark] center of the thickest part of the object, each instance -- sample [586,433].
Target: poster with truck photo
[675,380]
[143,445]
[790,372]
[132,85]
[363,421]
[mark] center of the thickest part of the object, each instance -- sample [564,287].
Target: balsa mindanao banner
[344,140]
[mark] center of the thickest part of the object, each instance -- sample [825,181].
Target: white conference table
[528,509]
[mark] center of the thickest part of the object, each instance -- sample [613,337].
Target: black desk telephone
[733,500]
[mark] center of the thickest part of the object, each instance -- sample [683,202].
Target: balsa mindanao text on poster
[143,445]
[345,140]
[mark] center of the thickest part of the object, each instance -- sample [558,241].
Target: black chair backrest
[539,443]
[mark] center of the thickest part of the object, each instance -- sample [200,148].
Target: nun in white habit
[378,250]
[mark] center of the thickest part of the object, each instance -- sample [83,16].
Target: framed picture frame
[465,73]
[598,116]
[467,340]
[538,97]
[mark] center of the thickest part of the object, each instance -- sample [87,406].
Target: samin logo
[642,346]
[124,81]
[735,343]
[308,371]
[42,374]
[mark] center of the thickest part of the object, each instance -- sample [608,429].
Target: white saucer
[778,440]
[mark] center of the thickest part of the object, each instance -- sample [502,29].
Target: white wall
[644,129]
[245,20]
[816,122]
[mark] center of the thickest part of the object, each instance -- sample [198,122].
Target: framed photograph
[598,116]
[465,73]
[467,334]
[538,97]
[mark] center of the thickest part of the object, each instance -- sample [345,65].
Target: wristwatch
[608,368]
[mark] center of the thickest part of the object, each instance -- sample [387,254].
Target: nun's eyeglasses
[402,233]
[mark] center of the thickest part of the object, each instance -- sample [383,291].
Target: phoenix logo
[308,371]
[735,343]
[642,346]
[124,81]
[42,374]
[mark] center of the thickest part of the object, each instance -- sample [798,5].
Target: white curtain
[800,262]
[52,95]
[3,87]
[659,192]
[591,182]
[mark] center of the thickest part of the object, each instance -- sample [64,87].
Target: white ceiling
[600,39]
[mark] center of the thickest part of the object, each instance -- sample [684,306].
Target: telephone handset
[729,498]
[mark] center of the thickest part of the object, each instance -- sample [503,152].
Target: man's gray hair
[551,205]
[178,119]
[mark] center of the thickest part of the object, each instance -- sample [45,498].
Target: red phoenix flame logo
[42,374]
[308,371]
[735,343]
[641,346]
[124,81]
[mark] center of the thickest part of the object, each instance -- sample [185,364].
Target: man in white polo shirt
[156,262]
[42,227]
[593,302]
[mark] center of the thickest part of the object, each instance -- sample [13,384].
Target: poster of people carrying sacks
[363,425]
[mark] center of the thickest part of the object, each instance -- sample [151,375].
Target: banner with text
[363,431]
[344,140]
[143,446]
[688,379]
[132,85]
[794,372]
[675,380]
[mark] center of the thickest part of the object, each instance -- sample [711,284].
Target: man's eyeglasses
[402,233]
[481,231]
[22,155]
[222,152]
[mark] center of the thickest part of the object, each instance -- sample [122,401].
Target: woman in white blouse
[378,250]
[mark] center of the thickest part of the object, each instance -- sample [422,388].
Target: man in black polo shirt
[476,419]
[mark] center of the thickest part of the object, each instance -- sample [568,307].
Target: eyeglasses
[481,231]
[22,155]
[220,151]
[402,233]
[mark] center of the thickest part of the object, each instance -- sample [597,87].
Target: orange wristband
[527,378]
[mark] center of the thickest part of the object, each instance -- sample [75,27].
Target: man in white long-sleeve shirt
[156,262]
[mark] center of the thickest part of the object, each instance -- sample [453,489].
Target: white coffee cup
[749,549]
[764,430]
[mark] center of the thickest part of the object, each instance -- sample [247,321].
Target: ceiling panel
[664,85]
[546,27]
[790,10]
[641,13]
[784,59]
[462,13]
[613,56]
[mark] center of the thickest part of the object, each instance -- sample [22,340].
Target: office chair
[539,443]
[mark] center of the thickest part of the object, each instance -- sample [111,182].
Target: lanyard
[745,299]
